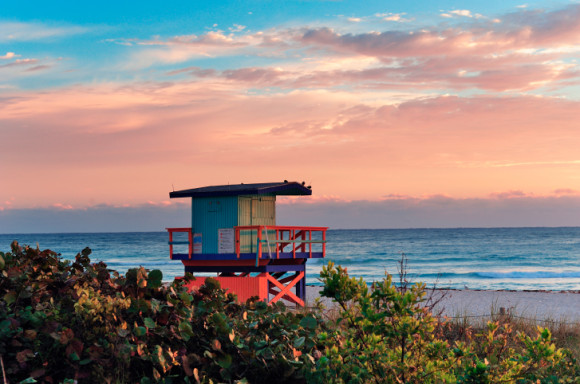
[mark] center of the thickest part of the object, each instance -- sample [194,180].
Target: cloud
[8,55]
[523,29]
[61,206]
[23,67]
[529,50]
[117,142]
[566,191]
[31,31]
[457,12]
[447,110]
[19,63]
[431,74]
[182,48]
[237,28]
[437,212]
[38,68]
[506,210]
[510,195]
[101,218]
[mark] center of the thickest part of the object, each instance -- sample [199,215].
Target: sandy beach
[538,305]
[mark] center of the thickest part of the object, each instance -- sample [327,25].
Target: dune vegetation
[80,322]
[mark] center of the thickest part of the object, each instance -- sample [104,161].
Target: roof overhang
[285,188]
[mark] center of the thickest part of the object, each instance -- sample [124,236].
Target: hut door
[264,213]
[245,218]
[255,220]
[256,211]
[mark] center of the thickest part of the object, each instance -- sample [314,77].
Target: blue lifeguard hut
[234,234]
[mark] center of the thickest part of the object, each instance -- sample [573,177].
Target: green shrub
[66,322]
[79,321]
[385,335]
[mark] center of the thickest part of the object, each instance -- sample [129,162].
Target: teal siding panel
[209,214]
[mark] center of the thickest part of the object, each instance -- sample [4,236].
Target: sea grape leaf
[185,330]
[186,298]
[308,322]
[299,342]
[28,381]
[149,322]
[155,305]
[2,262]
[10,297]
[225,361]
[155,278]
[74,356]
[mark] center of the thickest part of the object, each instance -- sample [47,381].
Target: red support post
[190,239]
[293,244]
[260,229]
[277,247]
[237,235]
[170,244]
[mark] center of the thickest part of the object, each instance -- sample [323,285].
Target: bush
[66,322]
[63,322]
[385,335]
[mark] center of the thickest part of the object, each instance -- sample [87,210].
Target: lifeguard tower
[234,234]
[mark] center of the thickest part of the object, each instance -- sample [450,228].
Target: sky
[399,114]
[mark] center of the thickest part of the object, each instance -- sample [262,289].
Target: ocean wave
[502,275]
[529,275]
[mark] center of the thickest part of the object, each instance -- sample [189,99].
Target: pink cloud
[523,29]
[38,68]
[19,63]
[529,50]
[132,143]
[61,206]
[566,191]
[510,195]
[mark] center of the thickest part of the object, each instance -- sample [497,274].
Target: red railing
[189,241]
[298,237]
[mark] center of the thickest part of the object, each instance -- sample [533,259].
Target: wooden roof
[285,188]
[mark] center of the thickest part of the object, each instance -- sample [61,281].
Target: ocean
[476,258]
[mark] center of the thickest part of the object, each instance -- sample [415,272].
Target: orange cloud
[119,143]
